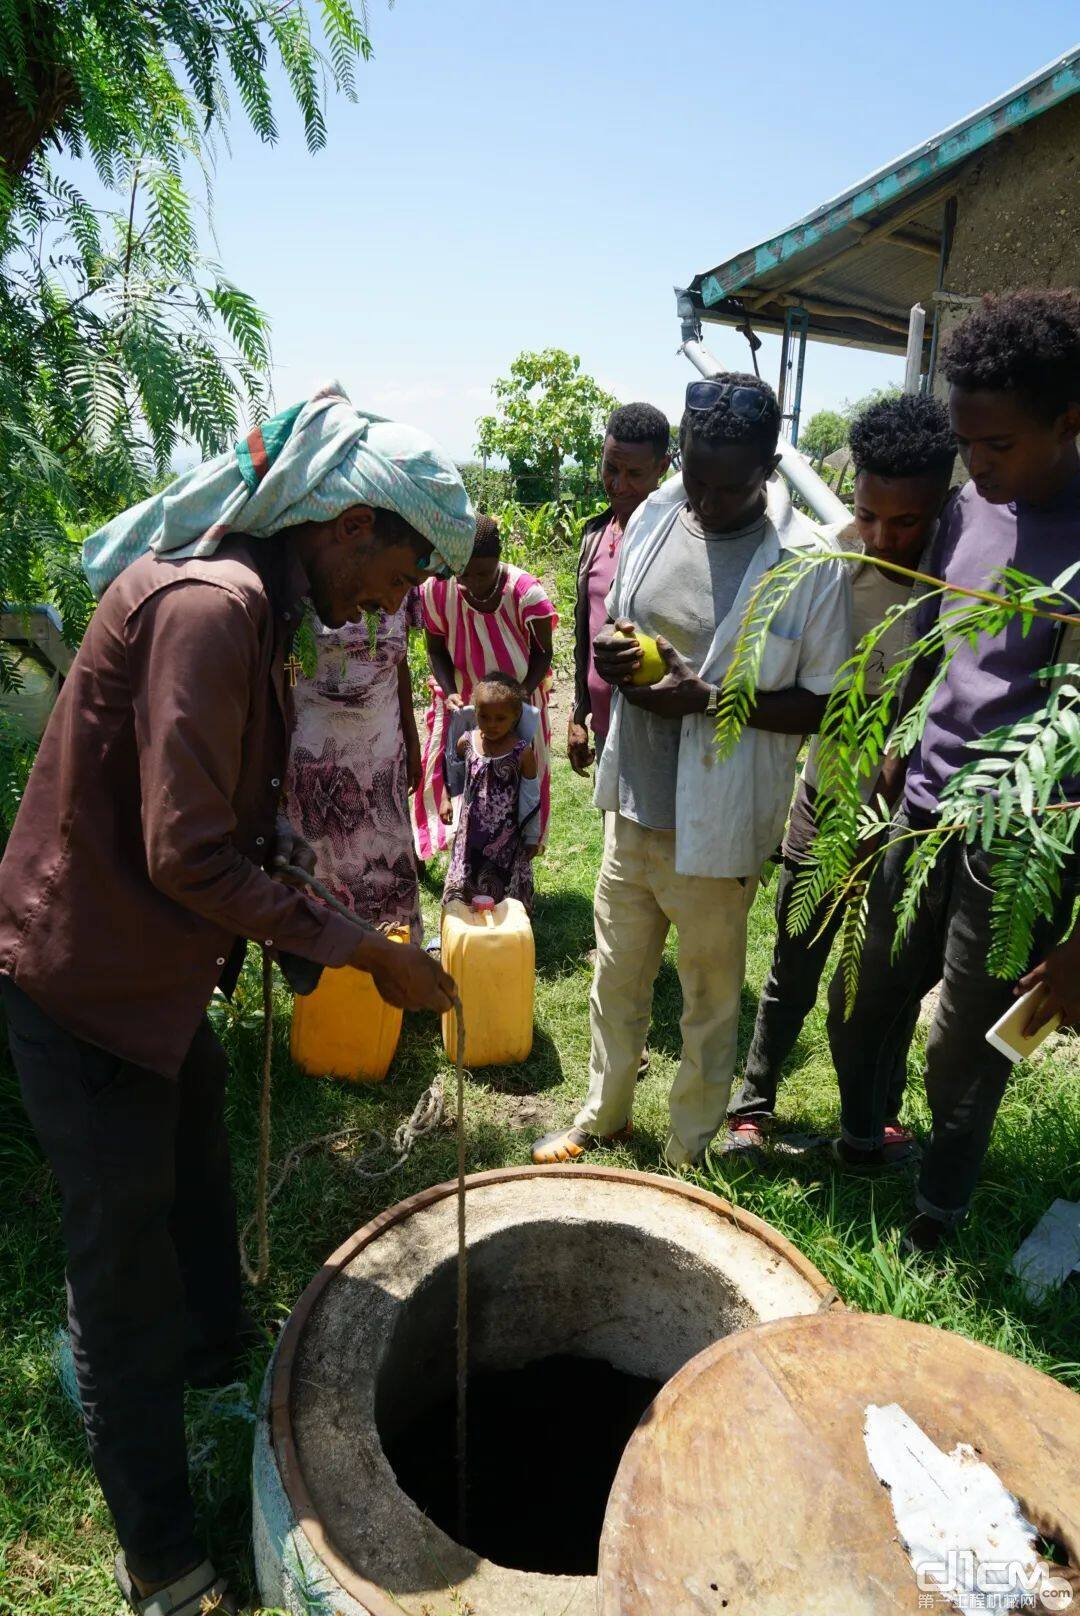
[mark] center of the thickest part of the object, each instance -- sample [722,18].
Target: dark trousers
[787,998]
[153,1280]
[965,1077]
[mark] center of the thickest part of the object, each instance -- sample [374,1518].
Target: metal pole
[794,467]
[931,364]
[915,333]
[948,228]
[785,349]
[799,322]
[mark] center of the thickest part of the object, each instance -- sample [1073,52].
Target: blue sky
[524,175]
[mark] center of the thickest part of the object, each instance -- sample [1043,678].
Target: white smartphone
[1007,1033]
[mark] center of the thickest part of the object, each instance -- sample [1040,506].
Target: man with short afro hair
[904,450]
[725,423]
[640,423]
[1027,345]
[1014,404]
[905,436]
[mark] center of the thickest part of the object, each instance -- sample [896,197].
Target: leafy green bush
[545,540]
[825,432]
[487,486]
[550,415]
[877,395]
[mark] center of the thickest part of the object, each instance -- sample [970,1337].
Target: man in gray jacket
[686,833]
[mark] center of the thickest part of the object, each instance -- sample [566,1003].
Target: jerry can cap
[483,904]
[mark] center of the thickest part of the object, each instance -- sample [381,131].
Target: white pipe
[797,470]
[794,467]
[913,368]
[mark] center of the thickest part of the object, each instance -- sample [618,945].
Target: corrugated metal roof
[859,262]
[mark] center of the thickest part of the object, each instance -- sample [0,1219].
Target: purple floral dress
[489,857]
[347,787]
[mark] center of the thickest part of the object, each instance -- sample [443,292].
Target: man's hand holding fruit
[650,673]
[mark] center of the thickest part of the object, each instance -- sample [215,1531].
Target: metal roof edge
[1047,88]
[10,609]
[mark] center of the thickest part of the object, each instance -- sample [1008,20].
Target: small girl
[493,852]
[492,616]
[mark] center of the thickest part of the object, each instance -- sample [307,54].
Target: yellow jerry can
[345,1029]
[488,949]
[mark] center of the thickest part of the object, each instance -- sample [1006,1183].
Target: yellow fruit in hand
[652,666]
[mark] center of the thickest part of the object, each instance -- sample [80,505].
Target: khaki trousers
[639,897]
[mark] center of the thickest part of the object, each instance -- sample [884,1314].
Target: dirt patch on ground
[560,702]
[524,1111]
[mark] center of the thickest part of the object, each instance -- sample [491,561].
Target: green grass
[55,1541]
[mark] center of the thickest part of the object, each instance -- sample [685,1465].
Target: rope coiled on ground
[426,1117]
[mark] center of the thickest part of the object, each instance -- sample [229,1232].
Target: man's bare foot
[570,1143]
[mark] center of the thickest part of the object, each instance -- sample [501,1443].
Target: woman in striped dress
[494,617]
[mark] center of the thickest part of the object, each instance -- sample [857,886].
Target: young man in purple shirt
[1014,370]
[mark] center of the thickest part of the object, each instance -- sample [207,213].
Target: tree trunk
[24,128]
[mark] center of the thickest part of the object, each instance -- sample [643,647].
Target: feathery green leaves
[739,685]
[120,341]
[1027,872]
[1008,801]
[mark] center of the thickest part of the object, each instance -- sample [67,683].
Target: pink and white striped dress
[479,643]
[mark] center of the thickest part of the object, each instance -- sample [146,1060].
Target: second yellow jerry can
[488,949]
[345,1029]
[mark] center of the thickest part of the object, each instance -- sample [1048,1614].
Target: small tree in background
[825,432]
[550,411]
[876,395]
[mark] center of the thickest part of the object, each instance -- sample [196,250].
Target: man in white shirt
[686,834]
[904,451]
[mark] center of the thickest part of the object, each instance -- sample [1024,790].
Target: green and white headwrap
[307,464]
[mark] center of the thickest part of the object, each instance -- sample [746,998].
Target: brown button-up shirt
[136,860]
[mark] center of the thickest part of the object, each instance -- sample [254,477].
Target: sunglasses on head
[747,402]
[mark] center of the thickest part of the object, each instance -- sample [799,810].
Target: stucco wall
[1018,215]
[1017,220]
